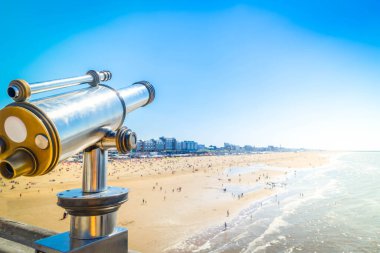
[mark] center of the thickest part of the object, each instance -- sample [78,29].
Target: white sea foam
[291,204]
[205,246]
[240,236]
[273,228]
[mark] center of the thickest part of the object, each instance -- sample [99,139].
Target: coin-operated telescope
[36,135]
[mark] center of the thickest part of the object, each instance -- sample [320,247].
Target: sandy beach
[170,199]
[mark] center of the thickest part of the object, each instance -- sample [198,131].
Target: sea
[334,208]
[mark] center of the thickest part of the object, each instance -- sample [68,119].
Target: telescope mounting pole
[94,170]
[93,209]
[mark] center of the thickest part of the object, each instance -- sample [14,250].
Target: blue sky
[290,73]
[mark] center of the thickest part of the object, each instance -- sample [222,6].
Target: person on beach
[225,225]
[228,213]
[64,215]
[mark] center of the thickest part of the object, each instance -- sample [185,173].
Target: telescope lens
[15,129]
[6,170]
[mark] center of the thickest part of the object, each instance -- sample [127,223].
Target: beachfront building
[160,145]
[170,143]
[171,146]
[149,145]
[178,146]
[231,147]
[140,145]
[190,146]
[248,148]
[201,147]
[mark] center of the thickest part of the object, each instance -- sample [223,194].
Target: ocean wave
[205,246]
[292,203]
[274,227]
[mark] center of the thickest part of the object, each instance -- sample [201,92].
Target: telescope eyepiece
[7,170]
[19,90]
[13,91]
[21,162]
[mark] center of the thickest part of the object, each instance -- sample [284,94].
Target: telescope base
[117,242]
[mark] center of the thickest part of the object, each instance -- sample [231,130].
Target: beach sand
[182,196]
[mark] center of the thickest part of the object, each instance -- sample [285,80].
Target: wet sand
[170,199]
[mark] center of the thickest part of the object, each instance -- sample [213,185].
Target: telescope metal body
[36,135]
[64,125]
[83,117]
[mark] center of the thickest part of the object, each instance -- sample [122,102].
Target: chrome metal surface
[124,140]
[131,140]
[78,194]
[60,83]
[90,227]
[80,117]
[117,242]
[127,140]
[135,96]
[94,170]
[90,77]
[108,141]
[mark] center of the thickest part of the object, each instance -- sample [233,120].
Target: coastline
[182,196]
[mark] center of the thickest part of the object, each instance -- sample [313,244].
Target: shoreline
[182,196]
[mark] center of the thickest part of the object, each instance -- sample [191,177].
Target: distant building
[149,145]
[170,143]
[160,145]
[178,146]
[231,147]
[201,147]
[190,146]
[248,148]
[164,144]
[140,145]
[227,146]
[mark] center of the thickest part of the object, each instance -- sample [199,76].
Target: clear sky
[291,73]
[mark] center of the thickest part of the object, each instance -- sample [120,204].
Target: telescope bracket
[93,208]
